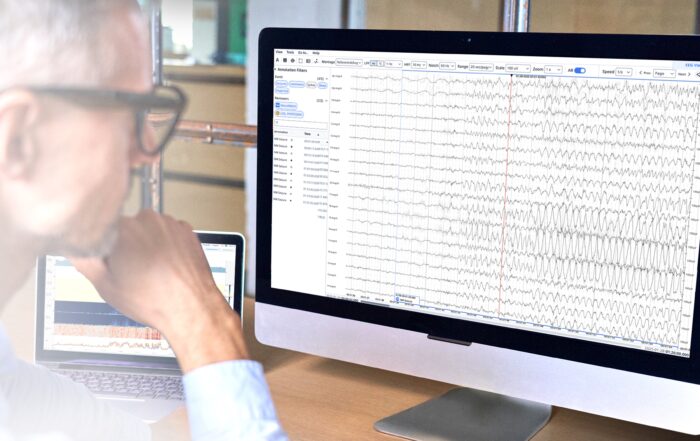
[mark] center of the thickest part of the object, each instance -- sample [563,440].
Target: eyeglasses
[156,114]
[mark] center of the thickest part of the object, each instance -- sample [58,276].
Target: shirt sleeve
[37,400]
[231,401]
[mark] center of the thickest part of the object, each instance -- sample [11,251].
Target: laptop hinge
[113,366]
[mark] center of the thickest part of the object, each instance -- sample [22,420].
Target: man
[67,145]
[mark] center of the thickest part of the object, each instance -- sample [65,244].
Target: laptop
[118,359]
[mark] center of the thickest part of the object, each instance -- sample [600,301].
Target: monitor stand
[468,415]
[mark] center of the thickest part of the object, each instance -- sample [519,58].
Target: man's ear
[18,114]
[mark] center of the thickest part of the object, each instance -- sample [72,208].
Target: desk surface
[322,399]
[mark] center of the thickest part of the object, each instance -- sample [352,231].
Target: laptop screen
[76,319]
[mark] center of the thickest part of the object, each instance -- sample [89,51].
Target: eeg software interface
[554,195]
[77,319]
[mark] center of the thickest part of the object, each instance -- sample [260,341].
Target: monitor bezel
[46,355]
[652,47]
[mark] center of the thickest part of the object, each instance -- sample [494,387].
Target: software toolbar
[291,60]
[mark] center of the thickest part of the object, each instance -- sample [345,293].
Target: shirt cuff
[230,400]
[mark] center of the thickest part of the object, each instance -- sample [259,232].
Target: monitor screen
[76,319]
[547,194]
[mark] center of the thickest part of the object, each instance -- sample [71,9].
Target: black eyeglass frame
[139,103]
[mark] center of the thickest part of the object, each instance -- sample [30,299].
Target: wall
[594,16]
[614,16]
[444,15]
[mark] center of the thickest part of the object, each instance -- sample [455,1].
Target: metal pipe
[522,22]
[234,135]
[508,24]
[345,14]
[157,41]
[516,15]
[152,175]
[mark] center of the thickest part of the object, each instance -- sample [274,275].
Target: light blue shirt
[231,401]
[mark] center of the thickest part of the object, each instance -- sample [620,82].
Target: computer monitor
[535,197]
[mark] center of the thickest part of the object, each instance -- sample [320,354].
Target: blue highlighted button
[580,70]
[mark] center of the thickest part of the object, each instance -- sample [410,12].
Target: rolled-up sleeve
[231,401]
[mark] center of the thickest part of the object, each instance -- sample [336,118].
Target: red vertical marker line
[505,192]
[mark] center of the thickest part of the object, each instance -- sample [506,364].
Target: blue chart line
[88,313]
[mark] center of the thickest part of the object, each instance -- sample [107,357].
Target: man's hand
[158,275]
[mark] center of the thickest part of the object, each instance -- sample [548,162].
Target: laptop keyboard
[166,387]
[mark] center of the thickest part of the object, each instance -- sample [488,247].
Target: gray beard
[62,247]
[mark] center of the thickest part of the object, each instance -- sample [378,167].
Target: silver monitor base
[468,415]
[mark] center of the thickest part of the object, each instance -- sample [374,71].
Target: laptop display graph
[77,319]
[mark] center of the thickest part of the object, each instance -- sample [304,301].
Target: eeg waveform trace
[558,204]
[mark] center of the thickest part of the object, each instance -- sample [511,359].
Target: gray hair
[56,42]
